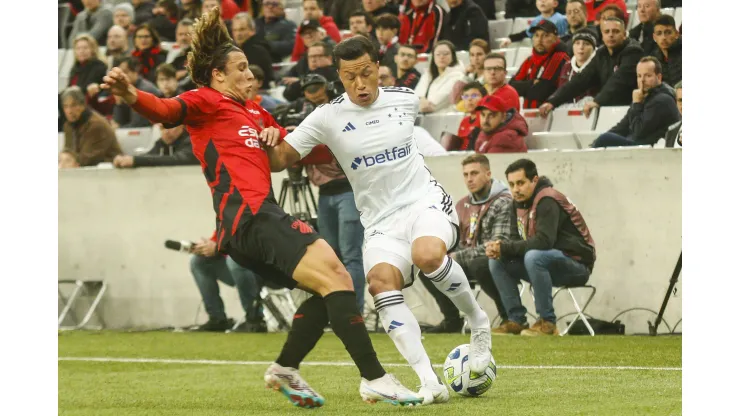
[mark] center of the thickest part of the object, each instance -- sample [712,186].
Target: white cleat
[388,389]
[434,393]
[480,349]
[287,381]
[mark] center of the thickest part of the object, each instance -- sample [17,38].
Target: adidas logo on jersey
[349,127]
[382,157]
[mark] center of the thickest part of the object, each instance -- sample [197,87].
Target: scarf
[575,69]
[384,48]
[533,67]
[146,57]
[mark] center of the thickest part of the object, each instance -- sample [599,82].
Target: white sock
[450,279]
[403,328]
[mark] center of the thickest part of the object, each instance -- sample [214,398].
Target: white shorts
[390,240]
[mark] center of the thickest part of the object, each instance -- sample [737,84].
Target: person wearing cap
[584,50]
[537,78]
[503,129]
[278,31]
[612,70]
[547,9]
[312,12]
[96,19]
[317,61]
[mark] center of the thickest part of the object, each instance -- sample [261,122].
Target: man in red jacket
[421,25]
[313,10]
[502,129]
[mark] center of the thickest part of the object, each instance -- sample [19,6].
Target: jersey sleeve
[196,105]
[311,132]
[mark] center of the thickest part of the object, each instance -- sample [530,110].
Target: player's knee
[333,276]
[428,253]
[381,279]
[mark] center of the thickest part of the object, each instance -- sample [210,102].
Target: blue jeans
[340,226]
[543,269]
[207,271]
[613,140]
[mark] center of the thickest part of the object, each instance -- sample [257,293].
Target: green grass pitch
[236,387]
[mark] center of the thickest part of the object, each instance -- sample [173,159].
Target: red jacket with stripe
[422,26]
[539,75]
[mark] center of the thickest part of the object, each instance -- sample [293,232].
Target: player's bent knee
[384,278]
[428,253]
[321,271]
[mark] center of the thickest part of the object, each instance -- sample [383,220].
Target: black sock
[349,326]
[309,322]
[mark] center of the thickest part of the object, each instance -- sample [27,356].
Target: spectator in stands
[386,77]
[674,135]
[503,129]
[386,31]
[478,50]
[669,48]
[173,148]
[406,74]
[117,45]
[652,111]
[88,138]
[147,51]
[575,12]
[466,23]
[190,9]
[167,81]
[469,127]
[379,7]
[95,20]
[521,8]
[164,21]
[437,82]
[143,11]
[255,47]
[547,12]
[606,13]
[311,33]
[612,71]
[595,7]
[264,100]
[182,35]
[538,76]
[209,267]
[361,23]
[584,50]
[312,12]
[495,80]
[123,15]
[88,67]
[488,7]
[422,24]
[276,29]
[123,116]
[229,9]
[340,11]
[648,11]
[555,248]
[485,215]
[319,58]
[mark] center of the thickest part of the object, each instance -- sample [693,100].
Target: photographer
[339,220]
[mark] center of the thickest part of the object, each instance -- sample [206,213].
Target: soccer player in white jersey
[408,218]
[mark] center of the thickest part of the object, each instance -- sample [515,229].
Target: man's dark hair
[655,61]
[407,46]
[530,169]
[581,2]
[615,9]
[433,65]
[258,73]
[388,21]
[477,158]
[166,70]
[477,85]
[495,55]
[323,45]
[353,48]
[133,64]
[170,7]
[361,13]
[666,20]
[152,32]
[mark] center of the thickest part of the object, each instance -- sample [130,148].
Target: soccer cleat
[287,381]
[434,393]
[480,349]
[388,389]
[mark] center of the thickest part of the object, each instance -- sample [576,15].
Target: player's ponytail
[210,47]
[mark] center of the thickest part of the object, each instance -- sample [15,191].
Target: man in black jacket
[648,11]
[612,71]
[669,49]
[386,31]
[255,47]
[466,22]
[172,149]
[652,111]
[406,74]
[276,29]
[555,249]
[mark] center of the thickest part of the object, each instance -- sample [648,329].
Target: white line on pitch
[349,364]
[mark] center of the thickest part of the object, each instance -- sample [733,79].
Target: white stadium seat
[61,141]
[295,15]
[498,29]
[521,23]
[510,54]
[464,58]
[678,16]
[670,11]
[586,138]
[521,55]
[438,123]
[61,53]
[552,141]
[535,123]
[571,119]
[135,141]
[608,117]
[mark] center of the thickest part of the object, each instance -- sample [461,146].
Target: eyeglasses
[471,96]
[143,36]
[315,56]
[406,55]
[495,68]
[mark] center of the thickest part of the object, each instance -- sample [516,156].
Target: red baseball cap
[493,103]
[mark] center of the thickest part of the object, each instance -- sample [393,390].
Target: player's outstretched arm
[157,110]
[281,156]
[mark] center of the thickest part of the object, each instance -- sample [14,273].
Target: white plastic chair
[135,141]
[552,141]
[571,119]
[608,117]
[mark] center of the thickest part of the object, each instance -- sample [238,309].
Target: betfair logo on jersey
[382,157]
[251,135]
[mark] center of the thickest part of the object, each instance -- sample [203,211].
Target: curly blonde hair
[210,47]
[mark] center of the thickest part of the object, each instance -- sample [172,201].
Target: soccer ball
[459,377]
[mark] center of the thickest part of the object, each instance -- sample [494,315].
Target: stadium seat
[64,11]
[535,123]
[94,288]
[499,29]
[521,55]
[464,58]
[422,62]
[500,15]
[608,117]
[67,63]
[280,69]
[436,124]
[295,15]
[678,16]
[345,34]
[633,21]
[173,53]
[61,54]
[166,46]
[277,92]
[586,138]
[61,141]
[580,311]
[135,141]
[521,23]
[571,119]
[510,54]
[670,11]
[552,141]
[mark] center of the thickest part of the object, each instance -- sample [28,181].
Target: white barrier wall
[113,223]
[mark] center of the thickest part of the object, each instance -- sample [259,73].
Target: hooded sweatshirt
[646,122]
[483,220]
[554,230]
[507,138]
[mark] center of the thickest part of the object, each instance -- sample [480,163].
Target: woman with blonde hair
[88,67]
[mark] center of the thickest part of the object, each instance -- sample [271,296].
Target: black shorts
[272,243]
